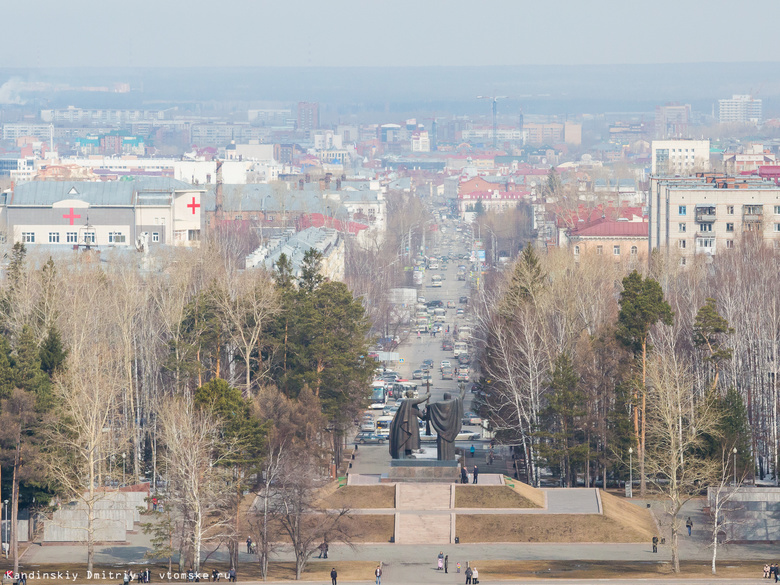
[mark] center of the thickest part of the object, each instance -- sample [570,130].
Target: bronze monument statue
[405,430]
[445,417]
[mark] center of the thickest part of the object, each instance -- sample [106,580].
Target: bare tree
[82,438]
[247,303]
[198,486]
[721,497]
[677,424]
[304,524]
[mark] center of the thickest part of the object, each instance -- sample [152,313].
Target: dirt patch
[544,528]
[522,570]
[532,494]
[490,496]
[628,514]
[360,496]
[366,528]
[316,570]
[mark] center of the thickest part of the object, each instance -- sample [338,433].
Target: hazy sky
[142,33]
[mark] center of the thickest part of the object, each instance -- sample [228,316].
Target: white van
[460,347]
[436,281]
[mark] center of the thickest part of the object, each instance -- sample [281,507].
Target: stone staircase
[414,524]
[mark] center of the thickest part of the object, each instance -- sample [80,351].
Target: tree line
[189,375]
[589,364]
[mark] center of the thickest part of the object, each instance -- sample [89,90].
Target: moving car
[471,418]
[365,437]
[445,364]
[463,300]
[446,374]
[427,364]
[417,375]
[450,304]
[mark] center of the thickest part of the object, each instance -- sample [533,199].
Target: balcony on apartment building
[705,213]
[752,213]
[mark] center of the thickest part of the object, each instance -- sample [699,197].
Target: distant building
[740,109]
[294,245]
[672,120]
[308,116]
[680,157]
[711,212]
[620,239]
[752,158]
[552,133]
[420,141]
[71,213]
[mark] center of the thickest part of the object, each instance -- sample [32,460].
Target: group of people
[472,576]
[442,562]
[771,571]
[464,475]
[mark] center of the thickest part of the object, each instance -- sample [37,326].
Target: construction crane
[494,99]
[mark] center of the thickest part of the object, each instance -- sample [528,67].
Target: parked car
[366,437]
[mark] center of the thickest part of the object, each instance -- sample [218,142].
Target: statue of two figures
[445,417]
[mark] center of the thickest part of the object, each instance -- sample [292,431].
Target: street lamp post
[631,470]
[735,466]
[6,540]
[124,459]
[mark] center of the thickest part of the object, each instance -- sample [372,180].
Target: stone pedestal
[423,471]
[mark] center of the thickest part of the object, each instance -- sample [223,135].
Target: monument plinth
[423,471]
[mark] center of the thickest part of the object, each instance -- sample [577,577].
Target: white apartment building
[740,109]
[708,213]
[680,157]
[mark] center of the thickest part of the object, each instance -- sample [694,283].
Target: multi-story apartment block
[711,212]
[672,120]
[308,116]
[680,157]
[740,109]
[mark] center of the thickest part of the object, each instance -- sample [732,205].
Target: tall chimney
[218,194]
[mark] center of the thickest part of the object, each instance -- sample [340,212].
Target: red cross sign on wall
[71,216]
[193,205]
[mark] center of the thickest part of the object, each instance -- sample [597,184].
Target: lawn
[490,496]
[360,496]
[516,570]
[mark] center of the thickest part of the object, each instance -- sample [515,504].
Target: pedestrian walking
[655,544]
[469,572]
[766,571]
[326,551]
[249,545]
[333,576]
[472,450]
[464,475]
[474,576]
[378,574]
[322,550]
[476,474]
[689,525]
[777,572]
[446,563]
